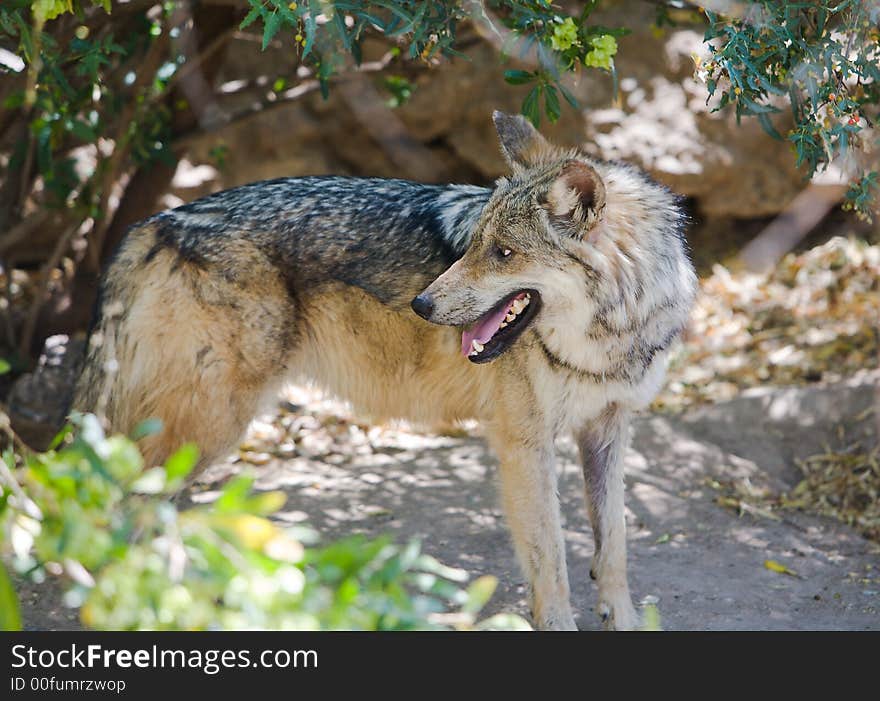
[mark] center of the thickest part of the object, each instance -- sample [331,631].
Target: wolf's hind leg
[210,402]
[531,506]
[602,446]
[193,345]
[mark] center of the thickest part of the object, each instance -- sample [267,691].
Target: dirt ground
[702,563]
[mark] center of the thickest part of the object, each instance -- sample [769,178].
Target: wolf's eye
[503,252]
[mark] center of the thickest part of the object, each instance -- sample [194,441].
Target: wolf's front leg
[531,506]
[602,444]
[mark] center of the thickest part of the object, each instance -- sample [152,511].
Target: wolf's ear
[521,143]
[576,198]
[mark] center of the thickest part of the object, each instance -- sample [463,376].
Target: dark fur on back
[387,237]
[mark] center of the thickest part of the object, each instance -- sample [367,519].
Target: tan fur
[205,367]
[183,351]
[389,364]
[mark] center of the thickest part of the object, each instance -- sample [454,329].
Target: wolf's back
[201,306]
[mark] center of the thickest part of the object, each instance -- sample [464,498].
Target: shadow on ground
[703,563]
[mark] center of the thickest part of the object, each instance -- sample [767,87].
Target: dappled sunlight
[702,561]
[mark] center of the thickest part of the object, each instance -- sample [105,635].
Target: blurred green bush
[89,511]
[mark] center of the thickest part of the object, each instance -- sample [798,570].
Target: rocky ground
[708,563]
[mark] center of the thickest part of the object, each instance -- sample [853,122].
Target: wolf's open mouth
[495,331]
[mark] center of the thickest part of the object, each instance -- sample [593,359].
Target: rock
[38,401]
[455,101]
[663,124]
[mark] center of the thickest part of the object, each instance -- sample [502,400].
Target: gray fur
[387,237]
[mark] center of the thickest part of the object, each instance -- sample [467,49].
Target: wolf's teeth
[477,346]
[517,306]
[525,302]
[510,317]
[503,325]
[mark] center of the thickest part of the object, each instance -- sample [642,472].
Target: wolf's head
[562,235]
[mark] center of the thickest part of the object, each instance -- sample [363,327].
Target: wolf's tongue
[483,328]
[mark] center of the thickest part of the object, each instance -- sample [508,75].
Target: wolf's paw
[618,613]
[557,616]
[561,622]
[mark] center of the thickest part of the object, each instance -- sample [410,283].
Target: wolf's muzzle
[423,305]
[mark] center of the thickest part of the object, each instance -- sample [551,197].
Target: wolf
[544,306]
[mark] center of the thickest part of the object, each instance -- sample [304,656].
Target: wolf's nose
[423,305]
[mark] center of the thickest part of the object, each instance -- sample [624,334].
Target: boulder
[663,122]
[659,120]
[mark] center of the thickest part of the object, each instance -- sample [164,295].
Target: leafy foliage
[136,561]
[78,96]
[823,58]
[562,44]
[326,32]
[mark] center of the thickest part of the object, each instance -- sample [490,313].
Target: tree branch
[23,229]
[30,324]
[121,144]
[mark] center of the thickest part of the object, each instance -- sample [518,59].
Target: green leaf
[266,504]
[10,615]
[181,463]
[150,482]
[145,428]
[273,24]
[342,31]
[251,17]
[83,131]
[60,436]
[757,108]
[234,495]
[479,593]
[768,127]
[565,35]
[569,98]
[516,77]
[15,100]
[551,104]
[504,621]
[9,457]
[311,31]
[4,366]
[44,149]
[530,108]
[651,618]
